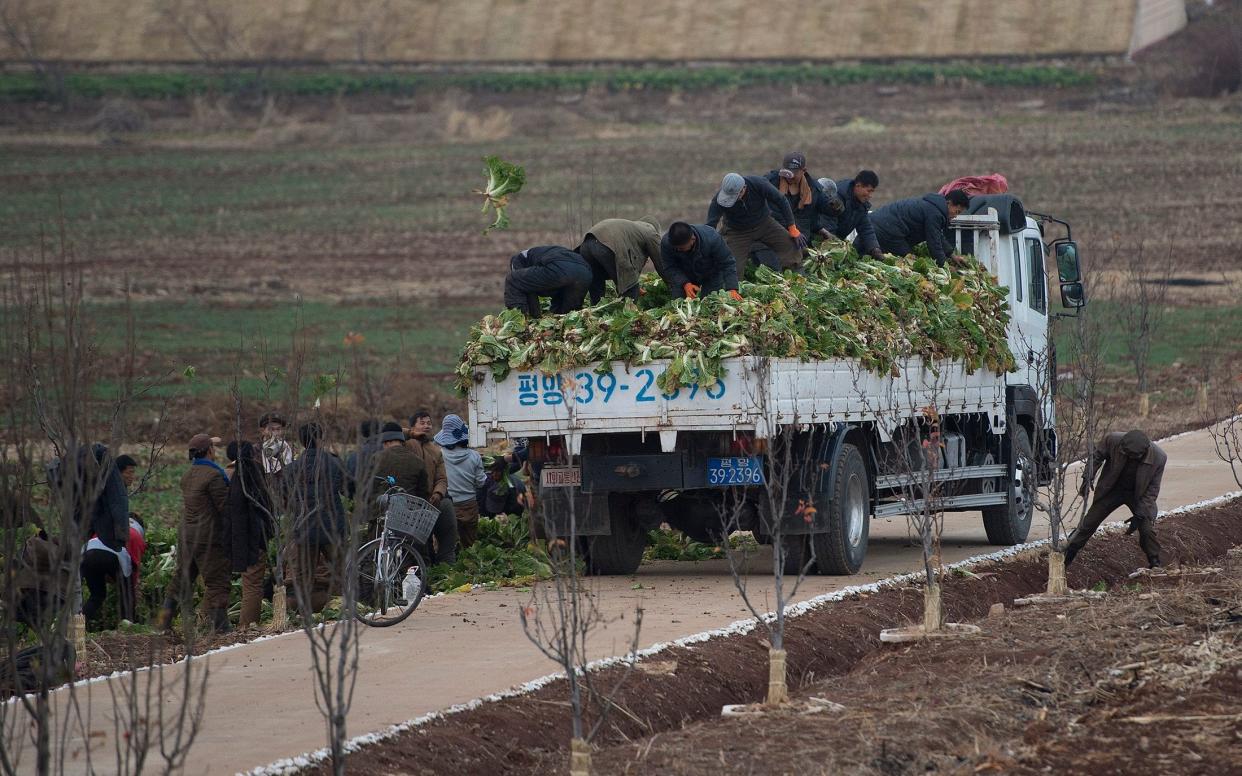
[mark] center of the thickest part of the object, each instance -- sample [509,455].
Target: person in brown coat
[433,460]
[1131,467]
[200,548]
[617,249]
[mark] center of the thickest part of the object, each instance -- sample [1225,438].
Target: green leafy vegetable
[841,306]
[503,179]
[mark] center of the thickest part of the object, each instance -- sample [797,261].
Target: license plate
[734,471]
[560,477]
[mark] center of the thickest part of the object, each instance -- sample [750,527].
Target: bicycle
[386,593]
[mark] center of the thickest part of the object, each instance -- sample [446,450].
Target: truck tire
[1005,526]
[847,500]
[621,552]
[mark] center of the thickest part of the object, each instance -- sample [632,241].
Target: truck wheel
[1007,526]
[622,551]
[847,499]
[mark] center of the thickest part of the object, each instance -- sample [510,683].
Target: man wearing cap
[1132,467]
[617,249]
[901,225]
[807,198]
[755,214]
[200,548]
[421,444]
[465,476]
[855,195]
[277,453]
[696,261]
[547,270]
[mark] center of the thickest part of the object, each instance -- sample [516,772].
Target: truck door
[1028,300]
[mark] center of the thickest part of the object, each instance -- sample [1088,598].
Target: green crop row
[29,87]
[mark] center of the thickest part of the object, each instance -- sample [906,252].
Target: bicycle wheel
[381,582]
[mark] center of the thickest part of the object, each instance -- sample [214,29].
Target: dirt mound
[528,734]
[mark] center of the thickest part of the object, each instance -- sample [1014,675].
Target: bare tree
[1140,304]
[562,614]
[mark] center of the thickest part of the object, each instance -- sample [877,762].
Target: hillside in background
[563,31]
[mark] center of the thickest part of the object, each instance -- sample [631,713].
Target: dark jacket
[316,481]
[543,256]
[1108,453]
[808,218]
[709,265]
[358,463]
[500,497]
[912,221]
[760,201]
[204,495]
[249,526]
[854,216]
[96,498]
[403,465]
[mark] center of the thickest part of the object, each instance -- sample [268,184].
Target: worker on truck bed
[747,204]
[806,197]
[855,196]
[1131,467]
[696,261]
[617,249]
[547,270]
[901,225]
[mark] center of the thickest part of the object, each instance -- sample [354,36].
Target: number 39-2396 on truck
[629,457]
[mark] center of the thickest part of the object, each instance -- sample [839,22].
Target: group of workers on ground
[766,219]
[230,514]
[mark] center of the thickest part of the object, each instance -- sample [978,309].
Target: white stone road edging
[293,765]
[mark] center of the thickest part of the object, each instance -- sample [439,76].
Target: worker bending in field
[696,261]
[806,197]
[547,270]
[747,204]
[617,249]
[901,225]
[1131,467]
[855,215]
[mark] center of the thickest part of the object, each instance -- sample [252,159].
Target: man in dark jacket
[200,548]
[855,196]
[697,261]
[747,204]
[617,249]
[547,270]
[398,461]
[807,199]
[316,481]
[901,225]
[358,463]
[1132,467]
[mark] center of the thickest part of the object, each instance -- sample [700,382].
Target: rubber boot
[219,619]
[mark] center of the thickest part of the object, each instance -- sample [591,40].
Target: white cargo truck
[631,456]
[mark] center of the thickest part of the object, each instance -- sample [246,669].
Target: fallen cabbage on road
[842,306]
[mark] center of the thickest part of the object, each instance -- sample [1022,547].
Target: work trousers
[894,244]
[198,556]
[99,567]
[445,535]
[1103,506]
[252,593]
[566,282]
[603,268]
[467,521]
[312,569]
[766,234]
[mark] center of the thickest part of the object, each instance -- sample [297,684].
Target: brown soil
[656,727]
[112,651]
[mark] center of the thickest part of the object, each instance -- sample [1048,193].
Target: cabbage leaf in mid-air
[503,179]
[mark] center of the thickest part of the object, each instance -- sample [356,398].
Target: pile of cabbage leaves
[840,306]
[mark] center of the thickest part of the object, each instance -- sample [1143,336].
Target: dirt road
[260,706]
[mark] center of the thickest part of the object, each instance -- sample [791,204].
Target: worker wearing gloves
[746,204]
[807,199]
[617,249]
[547,270]
[854,195]
[696,261]
[901,225]
[1131,467]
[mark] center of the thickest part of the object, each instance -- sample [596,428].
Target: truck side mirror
[1072,296]
[1068,267]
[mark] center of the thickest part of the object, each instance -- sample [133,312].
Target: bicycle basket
[410,516]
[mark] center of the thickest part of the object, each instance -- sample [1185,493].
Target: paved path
[458,647]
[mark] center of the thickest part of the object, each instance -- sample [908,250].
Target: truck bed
[755,395]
